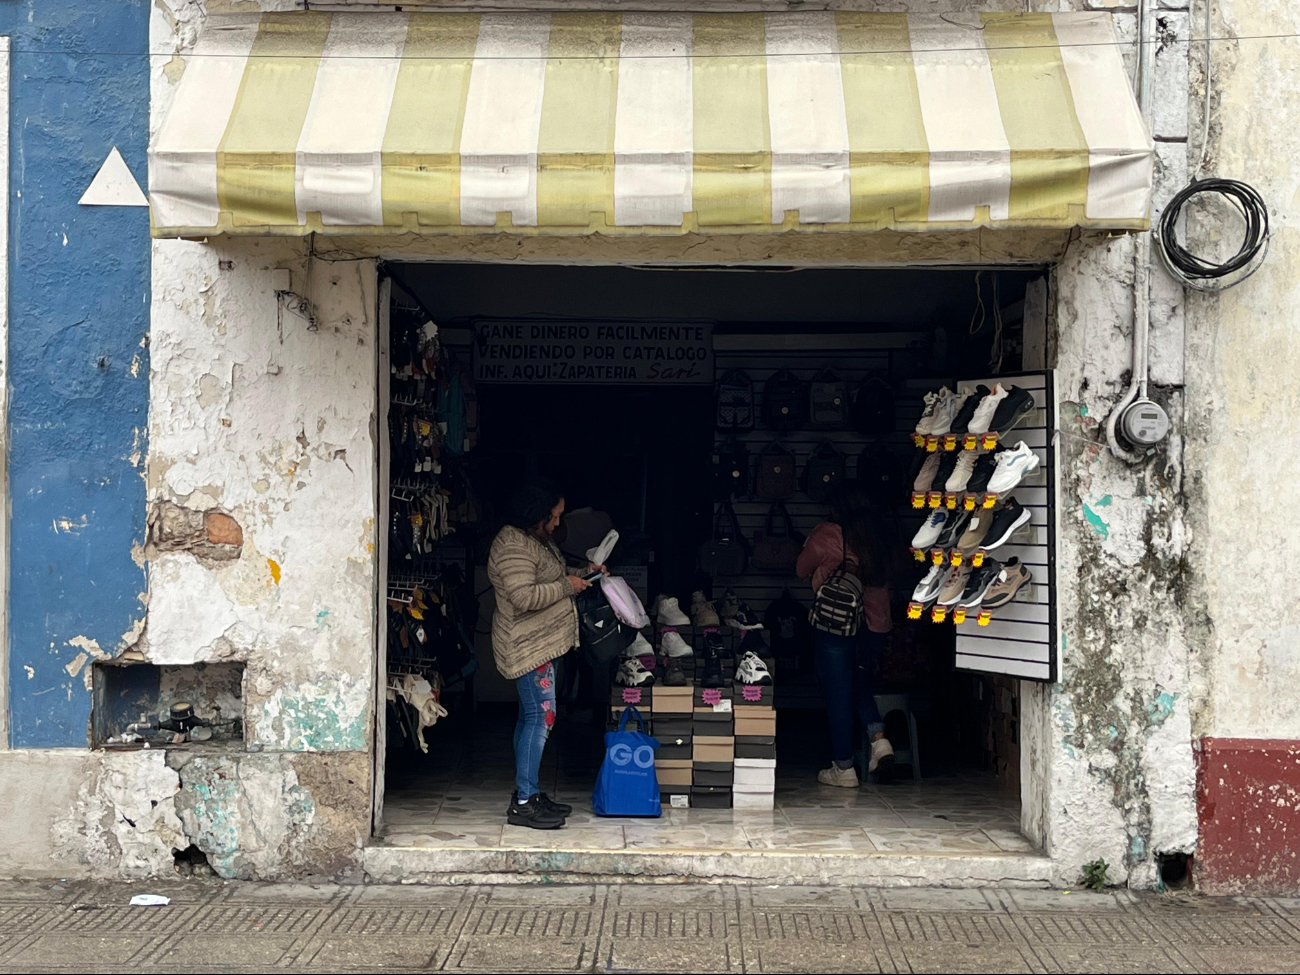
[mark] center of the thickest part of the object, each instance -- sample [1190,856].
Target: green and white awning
[650,123]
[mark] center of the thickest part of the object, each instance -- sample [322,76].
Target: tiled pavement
[211,927]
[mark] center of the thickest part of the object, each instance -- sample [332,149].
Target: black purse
[727,552]
[600,635]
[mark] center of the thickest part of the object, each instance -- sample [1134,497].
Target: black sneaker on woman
[533,814]
[561,808]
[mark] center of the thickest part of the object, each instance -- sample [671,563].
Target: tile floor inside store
[456,799]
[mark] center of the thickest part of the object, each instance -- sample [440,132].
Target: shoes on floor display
[1013,575]
[945,411]
[632,673]
[531,812]
[702,611]
[947,465]
[674,676]
[961,472]
[988,406]
[545,801]
[927,590]
[1018,404]
[925,476]
[843,778]
[977,530]
[752,670]
[1007,518]
[964,415]
[954,584]
[640,647]
[1012,467]
[929,533]
[882,756]
[672,645]
[978,584]
[952,529]
[668,613]
[979,478]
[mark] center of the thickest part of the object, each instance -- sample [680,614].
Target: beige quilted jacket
[536,619]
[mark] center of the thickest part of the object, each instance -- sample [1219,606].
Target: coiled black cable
[1197,271]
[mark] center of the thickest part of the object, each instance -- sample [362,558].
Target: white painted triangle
[114,186]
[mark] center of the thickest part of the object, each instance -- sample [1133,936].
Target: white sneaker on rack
[640,647]
[673,645]
[668,613]
[1013,465]
[979,423]
[752,670]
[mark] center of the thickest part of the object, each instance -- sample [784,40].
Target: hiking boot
[712,674]
[674,676]
[533,814]
[702,612]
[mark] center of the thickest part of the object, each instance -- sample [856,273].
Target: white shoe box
[756,763]
[753,800]
[753,779]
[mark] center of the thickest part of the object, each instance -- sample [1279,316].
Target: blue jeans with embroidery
[844,669]
[536,718]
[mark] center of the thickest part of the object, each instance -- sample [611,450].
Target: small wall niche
[168,705]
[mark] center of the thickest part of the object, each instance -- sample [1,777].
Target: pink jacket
[822,555]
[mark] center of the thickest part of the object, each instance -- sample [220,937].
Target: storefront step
[431,865]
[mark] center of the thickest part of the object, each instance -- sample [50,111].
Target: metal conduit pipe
[1137,388]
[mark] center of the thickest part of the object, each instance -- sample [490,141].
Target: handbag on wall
[776,479]
[824,469]
[727,552]
[777,546]
[785,402]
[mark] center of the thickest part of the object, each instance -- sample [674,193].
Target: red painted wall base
[1248,809]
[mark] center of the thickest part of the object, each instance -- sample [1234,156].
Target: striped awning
[649,123]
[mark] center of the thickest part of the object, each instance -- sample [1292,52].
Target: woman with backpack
[843,561]
[535,623]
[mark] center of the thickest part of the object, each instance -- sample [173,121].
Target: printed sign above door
[650,353]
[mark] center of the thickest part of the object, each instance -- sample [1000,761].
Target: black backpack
[730,470]
[600,636]
[882,474]
[829,401]
[776,480]
[872,410]
[785,402]
[734,396]
[824,469]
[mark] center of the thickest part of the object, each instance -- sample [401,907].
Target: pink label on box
[712,695]
[753,692]
[631,695]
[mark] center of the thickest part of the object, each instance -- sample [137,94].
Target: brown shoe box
[713,749]
[672,778]
[673,700]
[755,721]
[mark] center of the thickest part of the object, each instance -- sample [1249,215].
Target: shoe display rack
[716,731]
[987,538]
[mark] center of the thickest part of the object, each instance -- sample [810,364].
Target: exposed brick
[222,529]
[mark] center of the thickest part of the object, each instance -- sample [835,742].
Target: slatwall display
[1020,639]
[759,587]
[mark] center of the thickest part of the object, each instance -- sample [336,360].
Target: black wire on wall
[1199,272]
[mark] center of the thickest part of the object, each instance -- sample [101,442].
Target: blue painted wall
[78,366]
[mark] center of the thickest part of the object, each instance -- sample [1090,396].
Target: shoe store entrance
[748,434]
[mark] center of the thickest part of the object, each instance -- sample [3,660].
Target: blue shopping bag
[627,784]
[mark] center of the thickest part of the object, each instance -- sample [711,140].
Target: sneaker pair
[538,811]
[992,528]
[881,762]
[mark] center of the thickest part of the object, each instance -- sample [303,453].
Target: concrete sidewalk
[211,926]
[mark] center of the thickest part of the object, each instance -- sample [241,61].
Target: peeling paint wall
[77,357]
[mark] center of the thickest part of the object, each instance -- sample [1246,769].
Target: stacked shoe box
[754,780]
[641,698]
[713,750]
[672,708]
